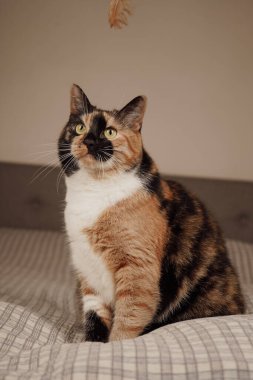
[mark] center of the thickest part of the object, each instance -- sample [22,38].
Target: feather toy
[119,10]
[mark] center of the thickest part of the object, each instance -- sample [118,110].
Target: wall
[193,59]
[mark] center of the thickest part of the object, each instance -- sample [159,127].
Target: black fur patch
[152,180]
[177,210]
[168,284]
[98,125]
[95,329]
[146,164]
[99,146]
[67,160]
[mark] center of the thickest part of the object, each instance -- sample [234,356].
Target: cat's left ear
[132,114]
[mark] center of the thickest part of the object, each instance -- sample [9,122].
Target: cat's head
[99,141]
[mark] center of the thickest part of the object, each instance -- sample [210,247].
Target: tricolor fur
[146,252]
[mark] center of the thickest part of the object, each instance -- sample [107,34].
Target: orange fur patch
[132,246]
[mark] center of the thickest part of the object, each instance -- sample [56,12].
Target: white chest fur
[86,200]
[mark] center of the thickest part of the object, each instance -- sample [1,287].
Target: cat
[145,251]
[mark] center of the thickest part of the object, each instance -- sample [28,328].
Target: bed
[40,337]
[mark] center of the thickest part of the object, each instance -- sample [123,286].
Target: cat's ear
[132,114]
[79,103]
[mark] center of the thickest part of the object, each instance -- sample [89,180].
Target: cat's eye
[80,129]
[110,133]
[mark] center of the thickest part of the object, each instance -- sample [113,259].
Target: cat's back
[197,277]
[196,238]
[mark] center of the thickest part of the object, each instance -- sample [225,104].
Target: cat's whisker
[40,156]
[47,145]
[109,149]
[60,175]
[115,159]
[107,154]
[101,165]
[43,154]
[114,150]
[98,165]
[63,169]
[115,163]
[55,160]
[52,143]
[62,156]
[42,151]
[50,167]
[103,168]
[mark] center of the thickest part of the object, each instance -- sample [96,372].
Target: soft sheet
[40,337]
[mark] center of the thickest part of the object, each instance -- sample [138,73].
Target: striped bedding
[40,337]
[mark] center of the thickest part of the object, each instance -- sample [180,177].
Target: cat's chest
[83,210]
[87,199]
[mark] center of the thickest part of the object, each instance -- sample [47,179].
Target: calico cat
[145,251]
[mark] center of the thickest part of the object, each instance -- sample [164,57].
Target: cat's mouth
[93,158]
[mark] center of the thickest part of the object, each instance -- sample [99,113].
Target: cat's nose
[90,143]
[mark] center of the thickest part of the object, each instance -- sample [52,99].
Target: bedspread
[41,339]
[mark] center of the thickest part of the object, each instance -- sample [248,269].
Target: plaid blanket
[40,337]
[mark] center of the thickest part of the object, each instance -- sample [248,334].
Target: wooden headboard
[28,203]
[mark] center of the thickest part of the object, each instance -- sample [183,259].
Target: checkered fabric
[40,338]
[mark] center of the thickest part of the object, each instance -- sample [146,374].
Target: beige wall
[193,59]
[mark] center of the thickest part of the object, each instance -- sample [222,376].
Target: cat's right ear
[79,103]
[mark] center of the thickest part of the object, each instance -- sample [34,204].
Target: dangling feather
[119,10]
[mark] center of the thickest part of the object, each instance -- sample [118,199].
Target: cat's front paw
[95,329]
